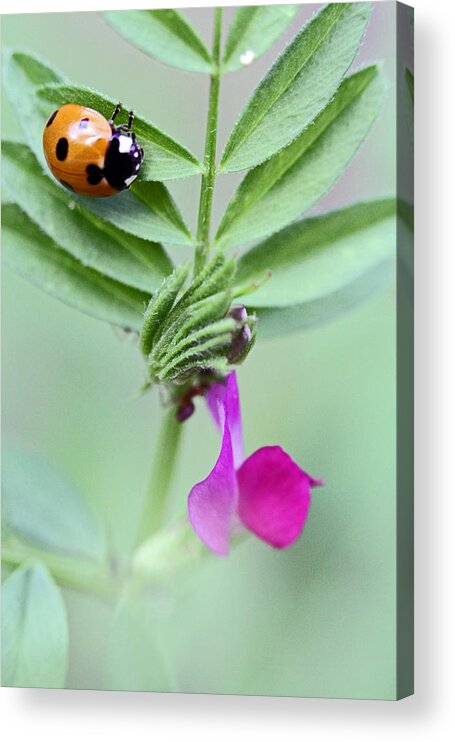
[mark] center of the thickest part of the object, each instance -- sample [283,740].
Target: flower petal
[224,404]
[212,503]
[274,496]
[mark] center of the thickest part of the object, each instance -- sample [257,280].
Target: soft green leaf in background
[22,75]
[319,255]
[282,321]
[163,34]
[164,158]
[299,85]
[44,509]
[134,261]
[6,571]
[134,657]
[34,630]
[253,30]
[279,190]
[35,257]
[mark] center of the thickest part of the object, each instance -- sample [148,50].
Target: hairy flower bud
[242,338]
[191,327]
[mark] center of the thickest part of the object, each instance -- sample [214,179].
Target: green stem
[161,476]
[208,179]
[74,573]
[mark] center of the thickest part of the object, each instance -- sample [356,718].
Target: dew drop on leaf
[247,57]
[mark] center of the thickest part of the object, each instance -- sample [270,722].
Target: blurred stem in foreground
[159,559]
[74,573]
[208,179]
[161,476]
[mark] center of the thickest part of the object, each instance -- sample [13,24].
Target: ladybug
[89,154]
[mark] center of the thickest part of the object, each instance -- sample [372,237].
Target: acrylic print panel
[207,337]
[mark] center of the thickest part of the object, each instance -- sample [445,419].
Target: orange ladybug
[88,154]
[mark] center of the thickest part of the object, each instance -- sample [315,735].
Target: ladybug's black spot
[52,118]
[83,123]
[94,174]
[62,149]
[67,185]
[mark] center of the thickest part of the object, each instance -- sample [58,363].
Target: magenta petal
[215,397]
[274,496]
[224,404]
[212,503]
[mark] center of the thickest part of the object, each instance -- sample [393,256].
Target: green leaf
[163,34]
[7,570]
[279,190]
[299,85]
[253,30]
[44,509]
[157,198]
[164,158]
[34,630]
[94,243]
[22,76]
[319,256]
[147,210]
[135,659]
[277,322]
[35,257]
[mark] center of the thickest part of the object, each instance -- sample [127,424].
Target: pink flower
[267,493]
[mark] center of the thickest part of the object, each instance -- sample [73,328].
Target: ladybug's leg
[115,113]
[127,127]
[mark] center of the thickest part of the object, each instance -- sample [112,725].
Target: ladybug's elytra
[88,154]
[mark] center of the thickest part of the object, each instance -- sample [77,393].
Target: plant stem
[161,476]
[208,179]
[73,573]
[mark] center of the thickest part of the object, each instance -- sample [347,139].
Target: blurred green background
[318,619]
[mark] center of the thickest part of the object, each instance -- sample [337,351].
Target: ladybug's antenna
[115,113]
[130,119]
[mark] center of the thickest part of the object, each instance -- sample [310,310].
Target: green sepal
[218,366]
[160,305]
[189,331]
[193,317]
[221,327]
[217,275]
[204,352]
